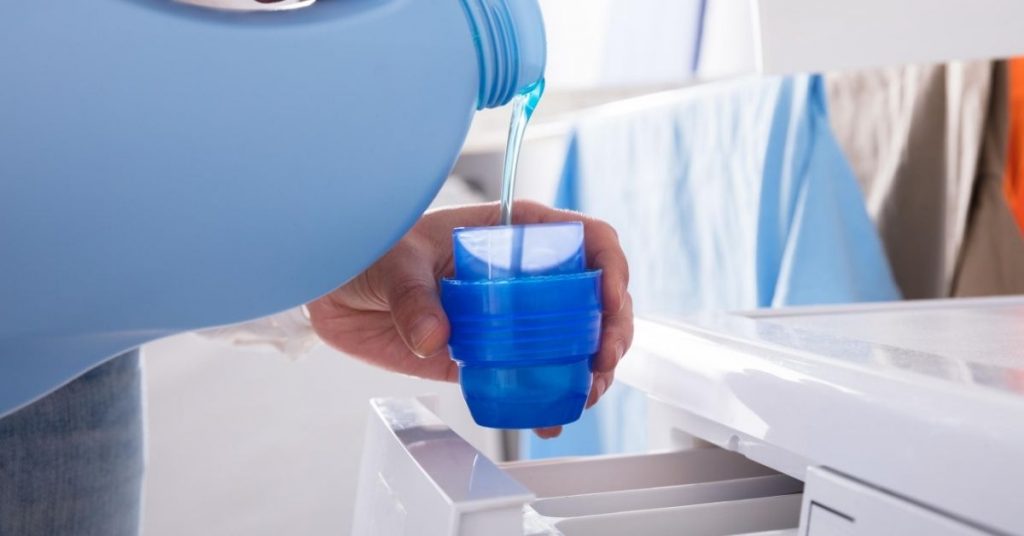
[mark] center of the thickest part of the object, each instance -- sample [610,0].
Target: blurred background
[245,440]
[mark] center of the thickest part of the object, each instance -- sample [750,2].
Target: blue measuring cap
[525,317]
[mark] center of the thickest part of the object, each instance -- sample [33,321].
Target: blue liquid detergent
[523,106]
[525,312]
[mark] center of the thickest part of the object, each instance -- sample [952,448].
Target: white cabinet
[864,420]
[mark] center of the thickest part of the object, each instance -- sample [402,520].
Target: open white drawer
[708,491]
[884,419]
[419,477]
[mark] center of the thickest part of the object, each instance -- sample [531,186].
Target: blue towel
[726,196]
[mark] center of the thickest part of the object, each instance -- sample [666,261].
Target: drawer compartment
[699,491]
[710,519]
[419,477]
[666,497]
[577,476]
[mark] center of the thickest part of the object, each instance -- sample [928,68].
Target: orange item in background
[1013,177]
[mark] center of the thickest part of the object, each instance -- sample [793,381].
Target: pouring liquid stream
[523,105]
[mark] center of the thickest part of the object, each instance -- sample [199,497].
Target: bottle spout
[511,47]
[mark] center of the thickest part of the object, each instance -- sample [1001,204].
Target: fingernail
[600,384]
[421,331]
[620,350]
[622,298]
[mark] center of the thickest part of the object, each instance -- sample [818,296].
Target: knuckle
[405,290]
[609,229]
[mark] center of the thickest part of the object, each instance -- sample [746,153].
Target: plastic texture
[525,318]
[167,167]
[418,476]
[509,35]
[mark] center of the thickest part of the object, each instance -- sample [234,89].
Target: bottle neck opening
[511,49]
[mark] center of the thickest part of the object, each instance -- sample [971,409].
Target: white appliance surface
[972,342]
[922,400]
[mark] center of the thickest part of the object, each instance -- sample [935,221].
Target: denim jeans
[72,462]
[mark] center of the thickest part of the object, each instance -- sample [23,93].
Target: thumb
[417,313]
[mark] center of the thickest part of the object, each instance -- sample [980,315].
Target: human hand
[390,315]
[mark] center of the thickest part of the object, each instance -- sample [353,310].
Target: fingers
[616,337]
[406,282]
[422,324]
[602,382]
[418,316]
[605,253]
[548,433]
[602,242]
[602,248]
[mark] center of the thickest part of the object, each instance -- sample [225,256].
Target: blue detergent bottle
[166,167]
[525,317]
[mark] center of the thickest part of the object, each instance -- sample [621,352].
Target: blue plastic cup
[525,318]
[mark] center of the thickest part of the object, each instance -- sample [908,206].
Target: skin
[390,315]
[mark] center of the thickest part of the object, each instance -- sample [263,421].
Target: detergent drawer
[420,477]
[707,490]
